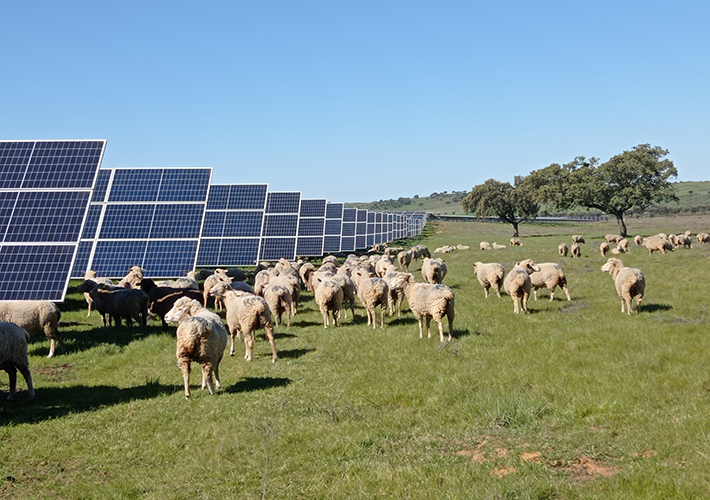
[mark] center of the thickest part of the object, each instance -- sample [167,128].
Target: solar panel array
[45,190]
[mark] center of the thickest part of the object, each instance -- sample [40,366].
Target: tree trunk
[622,224]
[515,226]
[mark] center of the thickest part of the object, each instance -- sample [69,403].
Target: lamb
[515,242]
[348,287]
[658,243]
[433,270]
[278,297]
[201,337]
[629,283]
[563,249]
[576,238]
[332,259]
[428,301]
[550,276]
[246,313]
[462,247]
[638,239]
[489,274]
[305,272]
[91,275]
[189,281]
[13,356]
[404,259]
[576,250]
[329,297]
[496,246]
[35,316]
[604,248]
[702,238]
[290,280]
[517,283]
[163,298]
[372,292]
[484,245]
[617,250]
[117,304]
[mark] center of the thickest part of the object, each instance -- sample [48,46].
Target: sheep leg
[485,290]
[638,304]
[12,373]
[535,293]
[288,317]
[450,316]
[207,377]
[526,295]
[215,369]
[382,315]
[232,334]
[269,330]
[564,288]
[248,345]
[552,294]
[428,326]
[622,305]
[421,330]
[25,371]
[516,305]
[185,368]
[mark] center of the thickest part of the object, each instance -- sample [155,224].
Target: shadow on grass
[294,353]
[404,320]
[250,384]
[283,335]
[55,402]
[655,307]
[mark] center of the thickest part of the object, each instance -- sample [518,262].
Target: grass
[573,400]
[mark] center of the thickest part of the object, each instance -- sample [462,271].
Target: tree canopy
[511,204]
[636,178]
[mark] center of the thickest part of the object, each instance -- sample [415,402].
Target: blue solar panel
[101,187]
[214,225]
[63,165]
[333,227]
[243,224]
[92,223]
[135,184]
[347,244]
[239,252]
[283,203]
[312,208]
[47,216]
[309,247]
[177,221]
[348,229]
[7,204]
[331,244]
[349,214]
[311,227]
[360,242]
[208,254]
[115,258]
[249,197]
[35,272]
[218,197]
[277,248]
[184,184]
[361,215]
[334,211]
[81,262]
[14,158]
[280,225]
[169,257]
[127,221]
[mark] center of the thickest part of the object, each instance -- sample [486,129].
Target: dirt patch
[504,471]
[531,456]
[645,454]
[587,468]
[56,373]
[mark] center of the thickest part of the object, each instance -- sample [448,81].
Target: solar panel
[148,217]
[277,248]
[283,203]
[45,190]
[309,247]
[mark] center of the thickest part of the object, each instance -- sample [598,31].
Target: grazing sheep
[428,301]
[290,280]
[576,250]
[658,243]
[163,298]
[186,282]
[117,304]
[210,281]
[372,292]
[683,240]
[629,283]
[515,242]
[91,275]
[576,238]
[433,270]
[702,238]
[419,252]
[13,356]
[563,249]
[348,288]
[404,259]
[305,272]
[489,275]
[382,265]
[638,239]
[623,245]
[549,276]
[201,337]
[613,238]
[246,313]
[484,245]
[604,248]
[617,250]
[35,316]
[496,246]
[517,283]
[278,297]
[396,296]
[329,297]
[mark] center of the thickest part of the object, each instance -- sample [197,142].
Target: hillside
[694,197]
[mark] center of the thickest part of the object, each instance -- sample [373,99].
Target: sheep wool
[35,316]
[433,270]
[517,284]
[14,357]
[549,276]
[489,274]
[629,282]
[428,301]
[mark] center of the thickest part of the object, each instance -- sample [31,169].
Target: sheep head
[183,308]
[612,266]
[528,265]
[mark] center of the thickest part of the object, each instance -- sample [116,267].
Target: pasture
[572,400]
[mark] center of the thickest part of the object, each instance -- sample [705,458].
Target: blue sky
[360,101]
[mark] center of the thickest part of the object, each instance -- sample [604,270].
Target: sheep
[404,259]
[91,275]
[623,244]
[329,297]
[496,246]
[517,283]
[689,233]
[576,250]
[685,241]
[658,243]
[462,247]
[393,251]
[372,292]
[382,265]
[305,272]
[201,337]
[348,288]
[189,281]
[246,313]
[617,250]
[278,297]
[35,316]
[419,252]
[515,242]
[13,356]
[118,303]
[290,280]
[445,249]
[396,296]
[638,239]
[484,245]
[133,278]
[629,283]
[489,274]
[210,281]
[428,301]
[604,248]
[672,239]
[550,276]
[576,238]
[562,249]
[613,238]
[433,270]
[163,298]
[702,238]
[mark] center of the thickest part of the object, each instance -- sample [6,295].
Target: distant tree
[511,204]
[633,179]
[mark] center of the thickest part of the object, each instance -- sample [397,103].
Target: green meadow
[572,400]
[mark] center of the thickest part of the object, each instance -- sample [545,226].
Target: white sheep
[246,313]
[496,246]
[702,238]
[420,251]
[428,301]
[623,245]
[382,265]
[638,239]
[201,337]
[433,270]
[489,274]
[35,316]
[445,249]
[549,276]
[396,295]
[563,249]
[617,250]
[484,245]
[133,278]
[404,259]
[372,292]
[517,283]
[576,250]
[212,280]
[515,242]
[14,357]
[278,297]
[329,297]
[658,243]
[462,247]
[683,240]
[613,238]
[348,288]
[603,248]
[577,238]
[629,283]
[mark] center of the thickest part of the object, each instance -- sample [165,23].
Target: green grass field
[572,400]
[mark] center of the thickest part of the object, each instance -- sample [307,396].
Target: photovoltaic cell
[309,247]
[35,272]
[334,211]
[63,165]
[239,252]
[283,203]
[277,248]
[102,180]
[349,214]
[218,197]
[182,221]
[92,223]
[331,244]
[113,258]
[170,257]
[280,225]
[184,184]
[312,208]
[246,224]
[311,227]
[248,196]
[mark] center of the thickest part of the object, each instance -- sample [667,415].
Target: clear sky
[360,101]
